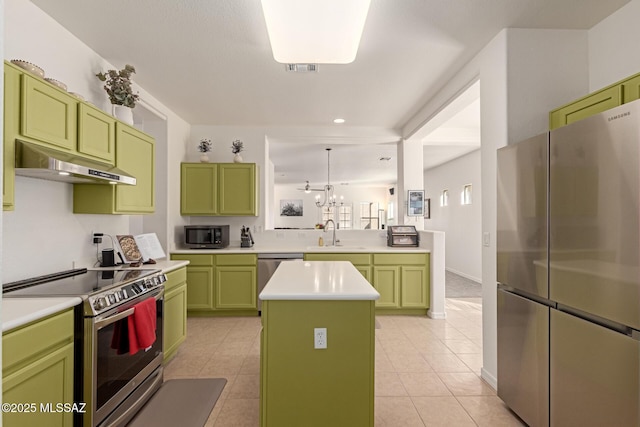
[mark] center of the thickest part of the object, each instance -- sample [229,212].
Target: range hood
[44,163]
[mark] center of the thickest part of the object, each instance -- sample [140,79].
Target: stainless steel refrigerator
[569,273]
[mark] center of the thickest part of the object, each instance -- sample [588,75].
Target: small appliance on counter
[402,235]
[206,236]
[246,239]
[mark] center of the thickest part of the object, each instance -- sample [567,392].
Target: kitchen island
[317,346]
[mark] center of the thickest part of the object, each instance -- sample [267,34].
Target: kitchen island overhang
[300,383]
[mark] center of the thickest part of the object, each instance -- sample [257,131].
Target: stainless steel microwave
[206,236]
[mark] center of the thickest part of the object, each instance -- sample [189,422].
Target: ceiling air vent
[302,68]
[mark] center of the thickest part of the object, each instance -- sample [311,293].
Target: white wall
[523,74]
[462,224]
[42,235]
[612,52]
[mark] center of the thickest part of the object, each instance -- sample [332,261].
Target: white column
[410,177]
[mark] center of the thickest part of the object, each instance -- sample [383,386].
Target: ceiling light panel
[312,31]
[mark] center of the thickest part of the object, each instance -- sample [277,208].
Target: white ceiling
[211,63]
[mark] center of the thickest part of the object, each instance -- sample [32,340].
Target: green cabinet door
[237,189]
[135,155]
[414,293]
[200,295]
[631,89]
[198,189]
[47,380]
[37,367]
[592,104]
[386,280]
[11,131]
[236,282]
[236,287]
[96,134]
[175,312]
[48,113]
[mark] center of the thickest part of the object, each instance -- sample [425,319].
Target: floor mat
[181,402]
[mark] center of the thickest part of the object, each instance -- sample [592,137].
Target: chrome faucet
[333,240]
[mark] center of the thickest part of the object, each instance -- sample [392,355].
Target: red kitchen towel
[142,325]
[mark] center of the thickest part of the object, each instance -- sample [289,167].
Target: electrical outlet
[319,338]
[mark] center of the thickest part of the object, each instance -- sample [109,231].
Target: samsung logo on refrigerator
[619,116]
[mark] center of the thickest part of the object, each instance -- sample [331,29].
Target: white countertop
[294,248]
[20,311]
[318,280]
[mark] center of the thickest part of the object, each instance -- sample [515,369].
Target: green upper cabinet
[48,113]
[135,154]
[218,189]
[96,134]
[631,89]
[587,106]
[237,189]
[198,189]
[619,93]
[11,131]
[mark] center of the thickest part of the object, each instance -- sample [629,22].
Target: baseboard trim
[466,276]
[489,378]
[436,314]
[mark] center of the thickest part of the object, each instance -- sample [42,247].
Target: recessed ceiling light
[338,121]
[64,173]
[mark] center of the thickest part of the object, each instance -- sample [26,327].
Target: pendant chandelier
[329,197]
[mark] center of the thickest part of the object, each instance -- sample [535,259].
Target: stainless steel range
[115,380]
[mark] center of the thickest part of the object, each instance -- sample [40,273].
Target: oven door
[111,373]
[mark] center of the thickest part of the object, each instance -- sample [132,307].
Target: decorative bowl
[57,83]
[32,68]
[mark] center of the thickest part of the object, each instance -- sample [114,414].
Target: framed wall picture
[290,207]
[415,203]
[427,209]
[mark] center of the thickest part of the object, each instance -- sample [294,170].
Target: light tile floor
[427,371]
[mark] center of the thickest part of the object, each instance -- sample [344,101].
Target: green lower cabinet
[200,281]
[386,280]
[37,370]
[221,285]
[402,279]
[175,312]
[303,386]
[413,290]
[236,288]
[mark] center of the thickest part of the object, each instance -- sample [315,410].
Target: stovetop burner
[101,289]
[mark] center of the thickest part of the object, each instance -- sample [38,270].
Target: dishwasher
[267,264]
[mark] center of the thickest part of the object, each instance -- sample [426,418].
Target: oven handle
[99,324]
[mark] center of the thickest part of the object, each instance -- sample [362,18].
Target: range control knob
[99,303]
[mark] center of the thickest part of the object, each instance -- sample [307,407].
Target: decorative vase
[122,113]
[237,158]
[204,158]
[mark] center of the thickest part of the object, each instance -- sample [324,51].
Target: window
[444,198]
[465,197]
[342,216]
